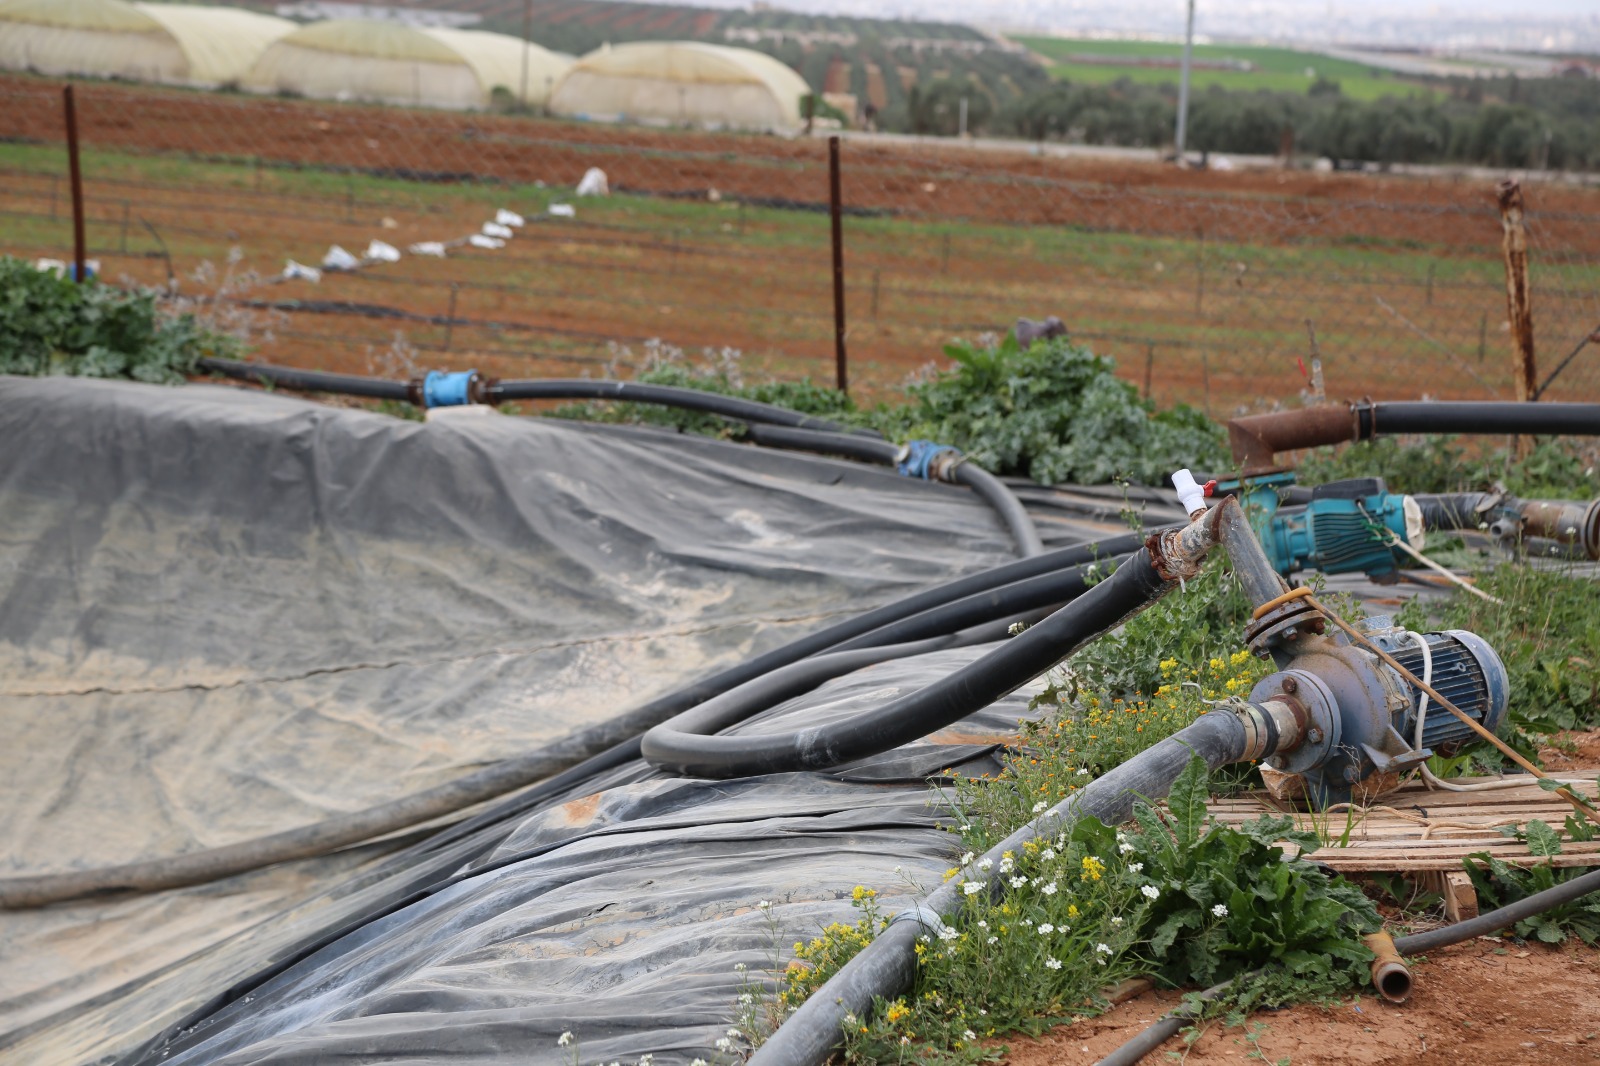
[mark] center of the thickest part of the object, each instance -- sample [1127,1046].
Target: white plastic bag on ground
[433,248]
[339,259]
[478,240]
[594,183]
[292,270]
[508,218]
[383,253]
[495,229]
[563,211]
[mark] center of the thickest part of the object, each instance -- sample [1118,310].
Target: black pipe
[285,377]
[497,392]
[887,967]
[953,605]
[1479,417]
[680,746]
[1168,1025]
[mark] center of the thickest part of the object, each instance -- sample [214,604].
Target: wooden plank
[1455,889]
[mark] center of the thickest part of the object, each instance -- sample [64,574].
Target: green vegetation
[50,325]
[1500,884]
[1275,69]
[1170,895]
[1554,468]
[1053,412]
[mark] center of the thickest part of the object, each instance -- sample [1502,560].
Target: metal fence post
[841,373]
[1519,301]
[79,251]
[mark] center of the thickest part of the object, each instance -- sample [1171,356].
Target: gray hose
[887,966]
[988,488]
[1169,1024]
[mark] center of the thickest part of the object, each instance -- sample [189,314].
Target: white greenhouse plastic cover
[171,44]
[387,62]
[682,82]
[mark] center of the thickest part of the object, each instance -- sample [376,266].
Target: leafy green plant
[1499,884]
[1066,917]
[51,325]
[1054,412]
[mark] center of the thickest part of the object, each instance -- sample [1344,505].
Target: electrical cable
[1428,776]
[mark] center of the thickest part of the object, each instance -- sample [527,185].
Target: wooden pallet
[1426,834]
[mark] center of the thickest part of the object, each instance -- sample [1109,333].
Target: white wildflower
[740,967]
[1125,847]
[1135,867]
[698,1062]
[1047,854]
[1046,929]
[734,1033]
[972,888]
[565,1040]
[745,998]
[969,1035]
[982,924]
[1049,889]
[1117,920]
[1219,911]
[724,1044]
[1150,891]
[1053,963]
[985,864]
[968,857]
[947,933]
[1103,949]
[1083,771]
[1040,807]
[993,940]
[1018,881]
[765,905]
[904,1040]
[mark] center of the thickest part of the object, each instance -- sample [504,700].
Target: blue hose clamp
[916,457]
[441,389]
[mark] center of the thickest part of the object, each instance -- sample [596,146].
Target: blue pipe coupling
[927,460]
[449,389]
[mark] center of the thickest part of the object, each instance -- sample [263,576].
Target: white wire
[1422,717]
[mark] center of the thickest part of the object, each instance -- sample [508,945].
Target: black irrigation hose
[953,605]
[1168,1025]
[285,377]
[681,746]
[1476,416]
[988,488]
[664,395]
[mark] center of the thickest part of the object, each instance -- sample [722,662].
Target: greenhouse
[170,44]
[391,63]
[682,83]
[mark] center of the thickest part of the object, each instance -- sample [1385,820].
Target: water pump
[1346,527]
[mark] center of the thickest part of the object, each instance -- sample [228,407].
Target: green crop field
[1276,69]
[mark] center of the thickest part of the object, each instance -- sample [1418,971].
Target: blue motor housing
[1343,529]
[1468,673]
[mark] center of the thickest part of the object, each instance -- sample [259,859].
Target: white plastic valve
[1190,494]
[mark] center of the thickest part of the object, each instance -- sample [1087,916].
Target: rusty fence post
[841,372]
[79,251]
[1519,300]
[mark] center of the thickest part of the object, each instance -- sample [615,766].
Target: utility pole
[1183,84]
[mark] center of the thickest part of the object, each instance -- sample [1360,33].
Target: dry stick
[1581,805]
[1592,337]
[1419,331]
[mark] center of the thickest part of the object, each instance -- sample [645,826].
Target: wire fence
[1218,287]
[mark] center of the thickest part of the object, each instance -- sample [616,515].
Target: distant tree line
[1506,122]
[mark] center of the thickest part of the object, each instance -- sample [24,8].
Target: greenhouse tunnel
[229,613]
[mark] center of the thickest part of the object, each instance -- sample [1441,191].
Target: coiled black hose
[957,604]
[681,745]
[985,485]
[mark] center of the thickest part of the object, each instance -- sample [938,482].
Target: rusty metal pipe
[1390,974]
[1565,522]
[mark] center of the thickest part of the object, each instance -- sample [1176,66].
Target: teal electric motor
[1346,527]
